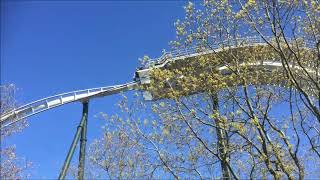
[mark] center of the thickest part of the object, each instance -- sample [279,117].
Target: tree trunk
[222,141]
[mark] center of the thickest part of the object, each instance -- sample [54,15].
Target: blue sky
[50,47]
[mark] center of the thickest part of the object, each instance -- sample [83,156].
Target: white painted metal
[58,100]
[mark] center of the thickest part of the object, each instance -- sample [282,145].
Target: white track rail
[58,100]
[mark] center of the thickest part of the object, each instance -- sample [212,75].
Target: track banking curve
[142,76]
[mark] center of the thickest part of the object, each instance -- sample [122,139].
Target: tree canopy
[225,113]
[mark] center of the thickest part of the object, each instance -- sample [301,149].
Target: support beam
[75,141]
[83,141]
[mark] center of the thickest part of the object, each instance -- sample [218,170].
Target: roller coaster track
[214,47]
[141,77]
[143,74]
[59,100]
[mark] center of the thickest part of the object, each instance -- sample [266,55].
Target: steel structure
[61,99]
[142,77]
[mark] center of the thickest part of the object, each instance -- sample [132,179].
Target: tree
[228,113]
[11,166]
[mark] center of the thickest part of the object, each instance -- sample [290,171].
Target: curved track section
[59,100]
[180,55]
[215,47]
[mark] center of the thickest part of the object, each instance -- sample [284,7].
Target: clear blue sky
[52,47]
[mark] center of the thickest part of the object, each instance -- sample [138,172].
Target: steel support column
[81,130]
[83,141]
